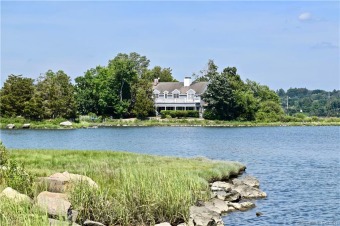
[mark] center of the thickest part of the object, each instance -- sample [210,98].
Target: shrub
[3,154]
[180,114]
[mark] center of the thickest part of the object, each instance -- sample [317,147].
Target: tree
[163,74]
[15,95]
[221,101]
[144,105]
[208,73]
[57,94]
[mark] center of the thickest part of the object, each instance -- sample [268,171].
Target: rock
[54,222]
[163,224]
[217,205]
[220,194]
[182,224]
[247,191]
[259,214]
[243,206]
[202,216]
[14,195]
[80,179]
[26,126]
[58,184]
[248,180]
[221,186]
[10,126]
[93,223]
[232,196]
[61,182]
[66,123]
[55,204]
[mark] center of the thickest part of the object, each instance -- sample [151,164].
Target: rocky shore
[225,197]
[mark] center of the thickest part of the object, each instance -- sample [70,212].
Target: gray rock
[202,216]
[10,126]
[182,224]
[14,195]
[220,194]
[92,223]
[232,196]
[243,206]
[217,205]
[247,191]
[66,123]
[54,222]
[62,182]
[55,204]
[26,126]
[248,180]
[221,186]
[163,224]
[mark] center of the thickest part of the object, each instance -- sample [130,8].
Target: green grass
[286,121]
[135,189]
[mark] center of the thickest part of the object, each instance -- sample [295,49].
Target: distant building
[179,95]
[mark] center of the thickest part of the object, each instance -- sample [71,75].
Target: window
[176,95]
[165,95]
[155,95]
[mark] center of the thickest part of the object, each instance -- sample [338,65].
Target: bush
[180,114]
[13,174]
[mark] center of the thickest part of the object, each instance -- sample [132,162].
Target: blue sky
[281,44]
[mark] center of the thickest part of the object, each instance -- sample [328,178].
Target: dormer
[155,93]
[175,93]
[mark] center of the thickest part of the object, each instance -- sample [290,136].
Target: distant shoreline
[190,122]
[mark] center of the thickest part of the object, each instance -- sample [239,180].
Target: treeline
[230,98]
[310,102]
[123,88]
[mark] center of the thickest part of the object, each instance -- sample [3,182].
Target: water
[298,167]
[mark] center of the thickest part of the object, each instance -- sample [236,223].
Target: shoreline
[135,183]
[51,124]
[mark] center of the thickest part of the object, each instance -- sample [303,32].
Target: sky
[282,44]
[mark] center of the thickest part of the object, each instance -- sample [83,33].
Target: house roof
[198,87]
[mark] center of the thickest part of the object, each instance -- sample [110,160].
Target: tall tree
[15,95]
[57,93]
[163,74]
[144,105]
[208,73]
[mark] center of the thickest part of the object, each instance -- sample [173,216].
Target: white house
[179,95]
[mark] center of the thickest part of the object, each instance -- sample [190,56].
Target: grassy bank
[134,189]
[54,124]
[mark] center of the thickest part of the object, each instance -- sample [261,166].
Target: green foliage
[57,95]
[3,154]
[15,96]
[163,74]
[311,102]
[134,189]
[180,114]
[13,174]
[144,105]
[269,111]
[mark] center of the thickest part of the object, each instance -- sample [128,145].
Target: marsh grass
[135,189]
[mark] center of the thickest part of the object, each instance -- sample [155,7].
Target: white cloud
[305,16]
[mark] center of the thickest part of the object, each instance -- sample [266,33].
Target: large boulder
[163,224]
[76,178]
[92,223]
[10,126]
[26,126]
[217,205]
[202,216]
[66,123]
[243,206]
[54,222]
[14,195]
[55,204]
[61,182]
[248,180]
[221,186]
[247,191]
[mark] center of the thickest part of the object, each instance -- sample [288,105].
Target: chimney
[187,81]
[155,81]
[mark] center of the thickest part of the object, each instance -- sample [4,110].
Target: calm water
[298,167]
